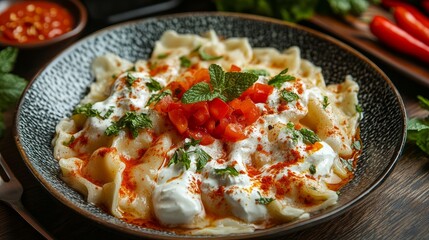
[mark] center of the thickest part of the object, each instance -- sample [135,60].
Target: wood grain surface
[399,209]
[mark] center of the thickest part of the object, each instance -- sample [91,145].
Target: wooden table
[399,209]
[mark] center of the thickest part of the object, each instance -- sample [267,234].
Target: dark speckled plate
[59,87]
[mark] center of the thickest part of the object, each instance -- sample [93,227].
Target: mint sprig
[418,128]
[11,85]
[224,85]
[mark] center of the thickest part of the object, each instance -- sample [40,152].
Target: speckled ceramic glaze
[60,86]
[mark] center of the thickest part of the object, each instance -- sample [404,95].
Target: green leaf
[312,169]
[418,132]
[70,141]
[358,108]
[162,55]
[155,98]
[347,164]
[228,170]
[424,102]
[192,142]
[263,200]
[278,80]
[237,83]
[153,85]
[88,111]
[258,72]
[198,93]
[130,79]
[207,57]
[132,121]
[7,59]
[11,87]
[288,96]
[217,77]
[309,136]
[180,156]
[185,62]
[325,102]
[202,158]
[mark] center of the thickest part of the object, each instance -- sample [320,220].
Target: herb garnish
[418,128]
[312,169]
[185,62]
[262,200]
[226,86]
[325,102]
[163,55]
[182,155]
[281,78]
[228,170]
[309,136]
[130,79]
[87,110]
[288,96]
[347,163]
[155,98]
[207,57]
[358,108]
[11,86]
[258,72]
[70,141]
[357,145]
[130,120]
[153,85]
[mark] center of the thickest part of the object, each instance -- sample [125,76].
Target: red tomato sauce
[34,21]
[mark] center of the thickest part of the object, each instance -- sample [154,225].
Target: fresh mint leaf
[153,85]
[258,72]
[424,102]
[185,62]
[278,80]
[155,98]
[263,200]
[132,121]
[207,57]
[237,83]
[228,170]
[309,136]
[288,96]
[11,87]
[217,77]
[198,93]
[7,59]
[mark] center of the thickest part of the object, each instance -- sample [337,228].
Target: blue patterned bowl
[60,86]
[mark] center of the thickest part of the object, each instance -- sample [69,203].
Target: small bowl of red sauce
[37,23]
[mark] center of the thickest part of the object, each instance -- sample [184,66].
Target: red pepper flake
[266,183]
[81,140]
[158,69]
[252,171]
[219,192]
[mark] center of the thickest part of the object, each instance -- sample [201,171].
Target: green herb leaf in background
[418,128]
[11,86]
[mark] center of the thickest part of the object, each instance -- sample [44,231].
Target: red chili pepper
[417,14]
[406,20]
[395,37]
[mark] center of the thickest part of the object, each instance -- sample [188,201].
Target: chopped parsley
[153,85]
[185,62]
[258,72]
[280,78]
[263,200]
[309,136]
[182,155]
[130,79]
[70,141]
[288,96]
[155,98]
[132,121]
[207,57]
[162,55]
[87,110]
[325,102]
[358,108]
[347,164]
[357,145]
[228,170]
[224,85]
[312,169]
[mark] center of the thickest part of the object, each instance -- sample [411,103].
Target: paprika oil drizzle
[34,21]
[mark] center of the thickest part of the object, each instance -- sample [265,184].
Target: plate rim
[299,225]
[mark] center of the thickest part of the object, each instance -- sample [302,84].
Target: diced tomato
[220,128]
[204,137]
[233,133]
[201,114]
[177,89]
[235,104]
[163,104]
[258,92]
[178,118]
[218,108]
[250,111]
[201,75]
[210,125]
[235,68]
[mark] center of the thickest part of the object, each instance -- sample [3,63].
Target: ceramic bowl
[58,88]
[77,11]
